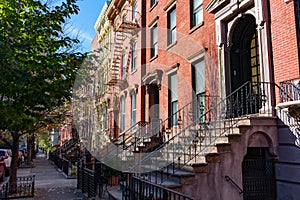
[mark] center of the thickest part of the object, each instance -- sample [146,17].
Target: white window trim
[198,55]
[154,25]
[172,69]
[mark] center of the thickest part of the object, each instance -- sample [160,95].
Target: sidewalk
[49,183]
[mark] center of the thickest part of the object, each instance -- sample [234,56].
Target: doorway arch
[244,53]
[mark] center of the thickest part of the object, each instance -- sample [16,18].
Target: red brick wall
[202,37]
[284,41]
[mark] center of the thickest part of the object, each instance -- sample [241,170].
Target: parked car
[6,154]
[2,169]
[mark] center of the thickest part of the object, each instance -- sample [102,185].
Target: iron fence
[22,188]
[144,190]
[86,181]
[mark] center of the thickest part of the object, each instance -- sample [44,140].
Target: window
[133,108]
[134,56]
[172,26]
[154,41]
[153,2]
[199,88]
[103,118]
[122,128]
[173,95]
[134,12]
[124,66]
[255,66]
[197,12]
[106,118]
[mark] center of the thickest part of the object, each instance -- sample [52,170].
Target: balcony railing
[127,21]
[290,90]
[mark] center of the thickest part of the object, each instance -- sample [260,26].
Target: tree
[38,66]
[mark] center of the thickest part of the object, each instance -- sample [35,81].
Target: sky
[83,23]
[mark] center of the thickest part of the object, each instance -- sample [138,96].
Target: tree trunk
[14,162]
[29,149]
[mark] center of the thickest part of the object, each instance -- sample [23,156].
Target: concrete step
[168,183]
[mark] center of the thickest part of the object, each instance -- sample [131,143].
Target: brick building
[202,98]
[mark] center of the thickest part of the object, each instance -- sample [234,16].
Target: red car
[2,168]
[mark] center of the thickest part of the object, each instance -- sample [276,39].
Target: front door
[153,102]
[244,70]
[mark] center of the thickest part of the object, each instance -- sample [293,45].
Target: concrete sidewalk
[50,184]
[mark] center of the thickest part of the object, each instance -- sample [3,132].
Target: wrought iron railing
[196,136]
[70,144]
[159,128]
[127,20]
[125,140]
[228,179]
[290,90]
[86,181]
[131,133]
[22,188]
[141,189]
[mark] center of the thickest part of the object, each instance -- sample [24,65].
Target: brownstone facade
[213,86]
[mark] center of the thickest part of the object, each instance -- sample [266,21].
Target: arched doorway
[244,53]
[243,73]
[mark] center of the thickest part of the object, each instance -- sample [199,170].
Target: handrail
[123,134]
[141,133]
[290,89]
[248,99]
[131,129]
[146,189]
[228,179]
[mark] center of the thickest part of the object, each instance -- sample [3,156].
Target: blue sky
[83,23]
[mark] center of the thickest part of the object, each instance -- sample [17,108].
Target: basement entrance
[258,175]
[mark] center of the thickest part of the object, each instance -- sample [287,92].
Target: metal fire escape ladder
[116,58]
[124,28]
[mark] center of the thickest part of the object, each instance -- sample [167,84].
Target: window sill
[153,58]
[153,6]
[171,45]
[196,27]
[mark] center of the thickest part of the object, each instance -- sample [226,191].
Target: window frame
[153,2]
[133,107]
[195,11]
[106,118]
[124,63]
[123,114]
[154,44]
[199,92]
[172,27]
[134,11]
[173,100]
[134,56]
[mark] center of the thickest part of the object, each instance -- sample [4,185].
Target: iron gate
[258,179]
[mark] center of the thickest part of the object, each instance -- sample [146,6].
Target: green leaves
[36,75]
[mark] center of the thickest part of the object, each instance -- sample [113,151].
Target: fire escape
[125,23]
